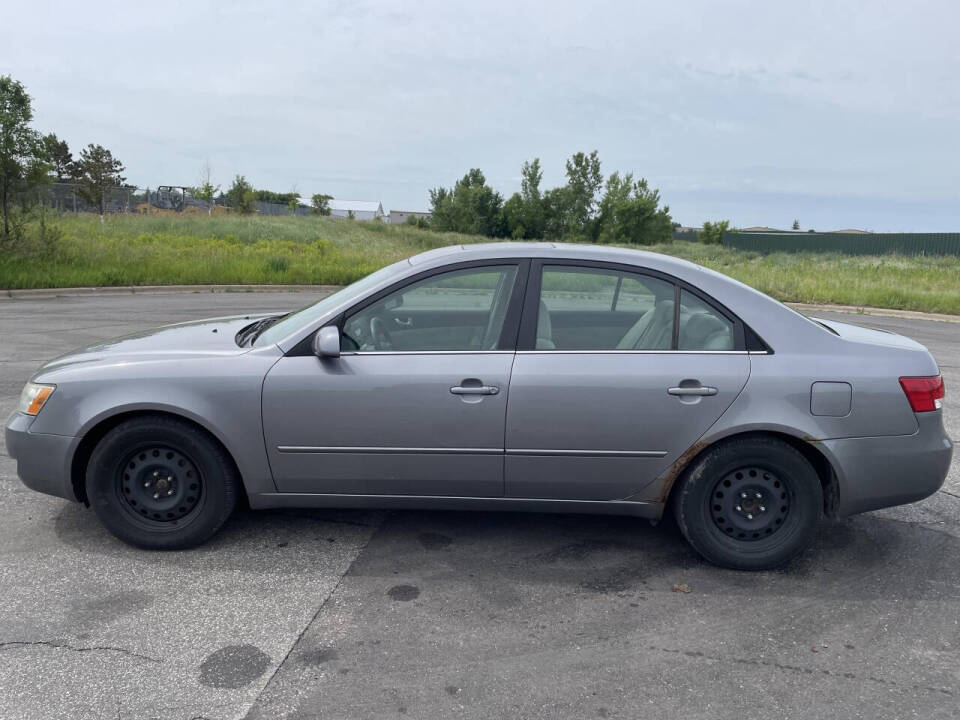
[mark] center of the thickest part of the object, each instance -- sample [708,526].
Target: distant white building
[361,209]
[399,217]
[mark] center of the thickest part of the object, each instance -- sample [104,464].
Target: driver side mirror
[326,343]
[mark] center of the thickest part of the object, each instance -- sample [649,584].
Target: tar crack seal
[404,593]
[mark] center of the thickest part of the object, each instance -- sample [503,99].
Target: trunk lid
[860,334]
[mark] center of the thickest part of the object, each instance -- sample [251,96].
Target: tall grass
[226,249]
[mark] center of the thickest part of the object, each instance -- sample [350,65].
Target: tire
[750,503]
[161,483]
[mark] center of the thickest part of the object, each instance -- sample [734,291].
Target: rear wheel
[750,503]
[161,483]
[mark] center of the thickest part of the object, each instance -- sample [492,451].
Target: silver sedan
[514,376]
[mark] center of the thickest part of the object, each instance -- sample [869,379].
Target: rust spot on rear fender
[672,473]
[669,477]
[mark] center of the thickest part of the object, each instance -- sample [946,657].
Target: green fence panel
[847,243]
[688,235]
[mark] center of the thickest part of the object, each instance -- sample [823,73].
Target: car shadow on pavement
[860,557]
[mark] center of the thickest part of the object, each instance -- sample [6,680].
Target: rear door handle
[684,391]
[475,390]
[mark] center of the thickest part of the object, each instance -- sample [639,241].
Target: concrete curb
[47,293]
[882,312]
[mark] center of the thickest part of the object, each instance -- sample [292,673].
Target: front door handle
[686,391]
[475,390]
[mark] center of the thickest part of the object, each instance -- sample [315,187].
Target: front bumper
[879,472]
[43,461]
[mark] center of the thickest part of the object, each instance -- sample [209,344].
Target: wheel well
[78,467]
[820,463]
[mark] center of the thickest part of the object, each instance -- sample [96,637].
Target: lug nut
[147,484]
[170,492]
[156,496]
[743,495]
[156,473]
[758,496]
[739,509]
[749,516]
[762,509]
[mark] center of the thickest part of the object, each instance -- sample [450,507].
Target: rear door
[599,407]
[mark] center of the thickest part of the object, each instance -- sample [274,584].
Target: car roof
[571,251]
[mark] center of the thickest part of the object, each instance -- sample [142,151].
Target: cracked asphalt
[350,614]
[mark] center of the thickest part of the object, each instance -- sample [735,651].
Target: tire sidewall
[218,498]
[802,485]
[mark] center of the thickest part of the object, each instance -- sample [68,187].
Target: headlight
[33,397]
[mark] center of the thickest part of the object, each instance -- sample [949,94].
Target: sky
[837,114]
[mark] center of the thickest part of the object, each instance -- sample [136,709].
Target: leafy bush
[712,233]
[241,196]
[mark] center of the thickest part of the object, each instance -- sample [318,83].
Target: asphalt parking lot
[343,614]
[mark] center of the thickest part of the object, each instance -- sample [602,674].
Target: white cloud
[775,102]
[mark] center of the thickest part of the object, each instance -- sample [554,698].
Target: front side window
[460,310]
[598,309]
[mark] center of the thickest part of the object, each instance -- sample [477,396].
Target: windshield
[294,321]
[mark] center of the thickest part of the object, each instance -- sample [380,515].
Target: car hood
[213,336]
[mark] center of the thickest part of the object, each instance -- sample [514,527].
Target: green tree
[241,196]
[320,203]
[59,158]
[524,211]
[21,149]
[293,203]
[584,183]
[471,206]
[269,196]
[514,216]
[98,172]
[712,232]
[206,191]
[557,213]
[630,212]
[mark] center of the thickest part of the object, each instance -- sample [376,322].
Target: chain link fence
[68,197]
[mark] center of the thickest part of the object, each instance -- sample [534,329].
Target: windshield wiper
[252,331]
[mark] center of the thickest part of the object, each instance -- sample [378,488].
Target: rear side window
[701,326]
[598,309]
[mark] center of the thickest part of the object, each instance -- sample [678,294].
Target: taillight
[924,393]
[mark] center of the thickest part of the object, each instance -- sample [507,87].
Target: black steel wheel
[160,482]
[160,485]
[749,503]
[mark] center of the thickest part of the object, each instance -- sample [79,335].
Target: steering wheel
[379,335]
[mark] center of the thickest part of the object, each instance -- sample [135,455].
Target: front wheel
[161,483]
[750,503]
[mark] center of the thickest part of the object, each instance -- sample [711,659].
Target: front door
[616,384]
[415,405]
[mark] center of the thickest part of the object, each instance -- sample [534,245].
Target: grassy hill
[227,249]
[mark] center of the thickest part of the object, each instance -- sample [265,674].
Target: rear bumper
[880,472]
[43,461]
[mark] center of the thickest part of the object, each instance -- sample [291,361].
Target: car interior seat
[653,331]
[703,331]
[544,329]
